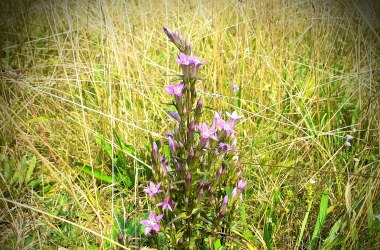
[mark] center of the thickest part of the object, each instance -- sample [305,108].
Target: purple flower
[195,60]
[235,88]
[183,59]
[234,116]
[153,189]
[224,148]
[207,132]
[176,89]
[190,64]
[241,185]
[226,126]
[152,223]
[167,203]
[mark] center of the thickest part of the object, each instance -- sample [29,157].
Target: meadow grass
[83,94]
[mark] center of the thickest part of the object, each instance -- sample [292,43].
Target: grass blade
[321,219]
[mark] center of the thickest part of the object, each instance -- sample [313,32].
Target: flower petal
[145,222]
[147,230]
[159,217]
[151,215]
[156,227]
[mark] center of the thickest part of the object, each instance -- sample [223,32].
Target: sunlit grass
[76,71]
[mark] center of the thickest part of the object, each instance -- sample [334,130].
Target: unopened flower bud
[219,172]
[191,127]
[187,46]
[175,115]
[200,193]
[179,35]
[198,108]
[234,193]
[199,104]
[188,177]
[120,237]
[191,153]
[169,33]
[241,185]
[180,241]
[179,167]
[171,145]
[201,183]
[155,153]
[225,201]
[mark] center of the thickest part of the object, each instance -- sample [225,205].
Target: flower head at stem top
[167,203]
[152,223]
[153,189]
[190,64]
[183,59]
[176,89]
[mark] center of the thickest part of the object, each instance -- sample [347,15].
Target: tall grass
[77,75]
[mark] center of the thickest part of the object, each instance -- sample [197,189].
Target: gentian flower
[235,88]
[152,223]
[176,89]
[183,59]
[234,116]
[153,189]
[190,64]
[167,203]
[224,148]
[226,126]
[207,132]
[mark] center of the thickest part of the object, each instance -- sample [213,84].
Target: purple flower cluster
[199,165]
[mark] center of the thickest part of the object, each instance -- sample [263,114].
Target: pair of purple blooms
[152,222]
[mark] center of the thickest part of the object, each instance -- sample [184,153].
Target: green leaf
[329,241]
[270,220]
[217,244]
[128,148]
[98,174]
[32,164]
[105,145]
[321,219]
